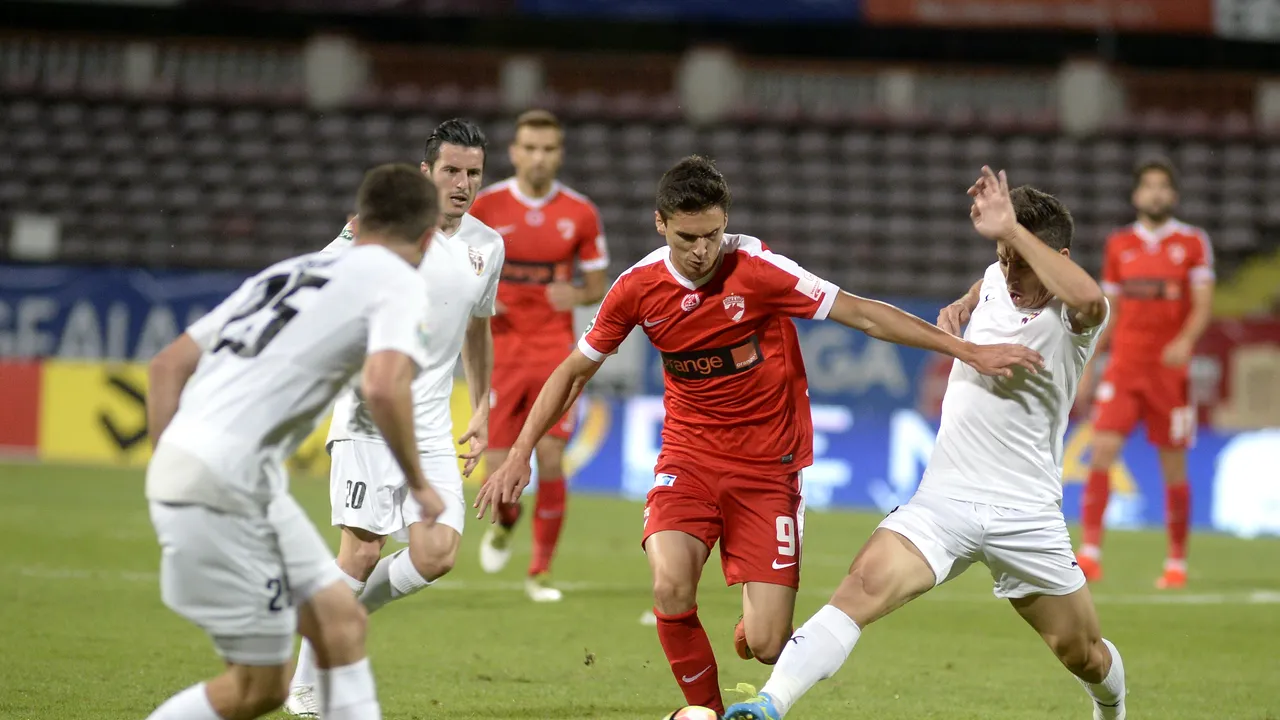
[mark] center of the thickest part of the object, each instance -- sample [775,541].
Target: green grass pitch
[84,634]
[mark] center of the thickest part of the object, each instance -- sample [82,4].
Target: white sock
[393,578]
[1109,694]
[815,652]
[305,674]
[1093,552]
[348,693]
[190,704]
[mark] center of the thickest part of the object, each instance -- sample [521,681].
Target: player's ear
[425,168]
[659,223]
[1065,252]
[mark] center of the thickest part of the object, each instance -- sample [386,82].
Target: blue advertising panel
[744,10]
[875,461]
[102,313]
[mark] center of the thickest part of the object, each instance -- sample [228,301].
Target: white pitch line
[1248,597]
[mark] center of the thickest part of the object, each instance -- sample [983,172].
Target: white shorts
[368,491]
[240,578]
[1028,552]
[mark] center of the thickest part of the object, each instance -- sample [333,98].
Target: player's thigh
[675,560]
[364,482]
[227,574]
[1117,403]
[550,456]
[308,562]
[889,571]
[1067,623]
[434,548]
[335,622]
[1030,553]
[1167,411]
[510,400]
[762,521]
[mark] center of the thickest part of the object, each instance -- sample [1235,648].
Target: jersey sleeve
[1111,266]
[613,321]
[1201,257]
[488,303]
[592,252]
[343,241]
[791,289]
[205,331]
[1087,335]
[398,316]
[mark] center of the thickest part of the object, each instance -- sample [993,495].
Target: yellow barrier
[96,413]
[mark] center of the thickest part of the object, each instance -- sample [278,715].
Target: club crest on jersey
[1177,254]
[535,218]
[690,301]
[735,306]
[477,260]
[1031,317]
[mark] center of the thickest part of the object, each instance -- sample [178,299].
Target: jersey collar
[686,282]
[534,203]
[1155,237]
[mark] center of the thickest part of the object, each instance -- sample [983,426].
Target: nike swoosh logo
[688,679]
[777,566]
[506,229]
[653,323]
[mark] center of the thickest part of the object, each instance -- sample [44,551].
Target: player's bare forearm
[554,400]
[593,288]
[1201,313]
[477,362]
[970,299]
[1061,276]
[386,385]
[883,321]
[167,374]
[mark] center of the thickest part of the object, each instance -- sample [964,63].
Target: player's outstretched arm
[883,321]
[167,374]
[556,398]
[993,217]
[386,385]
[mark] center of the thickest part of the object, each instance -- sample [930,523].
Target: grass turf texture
[86,636]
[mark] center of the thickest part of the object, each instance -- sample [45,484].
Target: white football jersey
[461,274]
[276,352]
[1001,438]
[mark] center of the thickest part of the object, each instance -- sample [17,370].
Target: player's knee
[1078,654]
[365,556]
[672,596]
[343,631]
[260,690]
[264,699]
[767,648]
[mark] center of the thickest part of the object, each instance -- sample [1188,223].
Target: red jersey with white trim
[736,393]
[543,238]
[1153,272]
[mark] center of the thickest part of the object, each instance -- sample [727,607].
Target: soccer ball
[693,712]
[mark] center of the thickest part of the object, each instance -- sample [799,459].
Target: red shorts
[1157,395]
[514,389]
[758,518]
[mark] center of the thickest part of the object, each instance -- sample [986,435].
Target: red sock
[1177,508]
[509,514]
[548,517]
[1097,491]
[692,660]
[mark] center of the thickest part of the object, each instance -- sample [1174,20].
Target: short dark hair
[691,186]
[538,118]
[457,131]
[398,202]
[1044,216]
[1163,164]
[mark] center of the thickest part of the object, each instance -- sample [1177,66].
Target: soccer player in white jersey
[992,492]
[231,399]
[369,497]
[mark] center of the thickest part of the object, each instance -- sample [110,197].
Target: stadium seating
[877,207]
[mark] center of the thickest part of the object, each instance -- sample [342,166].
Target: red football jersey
[735,387]
[1153,272]
[543,238]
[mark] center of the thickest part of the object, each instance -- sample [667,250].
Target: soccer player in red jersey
[546,227]
[1158,274]
[738,428]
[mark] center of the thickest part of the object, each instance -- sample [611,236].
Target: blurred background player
[1159,276]
[546,226]
[738,429]
[368,497]
[240,558]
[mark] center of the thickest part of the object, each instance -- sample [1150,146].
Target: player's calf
[247,692]
[359,552]
[768,612]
